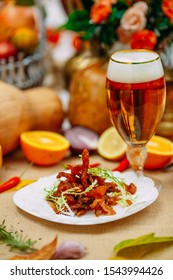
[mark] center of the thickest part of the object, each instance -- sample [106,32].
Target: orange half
[160,152]
[44,147]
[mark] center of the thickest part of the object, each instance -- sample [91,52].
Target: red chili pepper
[12,182]
[9,184]
[123,165]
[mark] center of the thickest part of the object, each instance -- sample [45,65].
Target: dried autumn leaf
[138,247]
[45,253]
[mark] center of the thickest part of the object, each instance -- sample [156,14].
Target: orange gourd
[87,104]
[38,108]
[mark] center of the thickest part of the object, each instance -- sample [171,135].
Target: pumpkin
[37,108]
[46,111]
[87,101]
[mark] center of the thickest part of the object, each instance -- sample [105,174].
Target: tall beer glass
[136,99]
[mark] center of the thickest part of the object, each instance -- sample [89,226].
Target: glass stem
[137,157]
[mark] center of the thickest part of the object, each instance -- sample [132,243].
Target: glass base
[158,184]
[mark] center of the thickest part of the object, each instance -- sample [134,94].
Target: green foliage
[15,240]
[25,2]
[87,4]
[78,21]
[139,247]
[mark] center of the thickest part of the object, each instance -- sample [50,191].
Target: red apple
[7,49]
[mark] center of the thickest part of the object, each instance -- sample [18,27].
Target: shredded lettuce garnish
[61,203]
[107,174]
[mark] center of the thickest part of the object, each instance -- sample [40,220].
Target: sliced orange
[44,147]
[160,152]
[110,145]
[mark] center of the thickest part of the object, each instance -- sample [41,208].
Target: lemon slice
[110,145]
[44,147]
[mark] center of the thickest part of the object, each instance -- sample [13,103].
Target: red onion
[81,138]
[70,250]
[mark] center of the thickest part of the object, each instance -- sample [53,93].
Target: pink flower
[133,19]
[142,6]
[124,36]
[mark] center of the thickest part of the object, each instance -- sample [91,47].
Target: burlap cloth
[98,239]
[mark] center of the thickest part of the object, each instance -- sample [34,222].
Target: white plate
[32,200]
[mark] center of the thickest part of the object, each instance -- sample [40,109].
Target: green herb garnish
[15,240]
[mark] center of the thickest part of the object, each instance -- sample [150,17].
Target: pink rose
[142,6]
[124,36]
[133,20]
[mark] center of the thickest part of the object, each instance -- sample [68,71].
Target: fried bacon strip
[84,192]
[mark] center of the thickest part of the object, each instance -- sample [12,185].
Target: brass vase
[90,53]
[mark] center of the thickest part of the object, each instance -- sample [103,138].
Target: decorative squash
[87,102]
[46,112]
[14,117]
[38,108]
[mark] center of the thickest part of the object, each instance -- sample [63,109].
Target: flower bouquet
[141,24]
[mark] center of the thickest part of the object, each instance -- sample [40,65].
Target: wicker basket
[24,72]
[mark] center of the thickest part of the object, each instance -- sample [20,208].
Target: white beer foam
[134,67]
